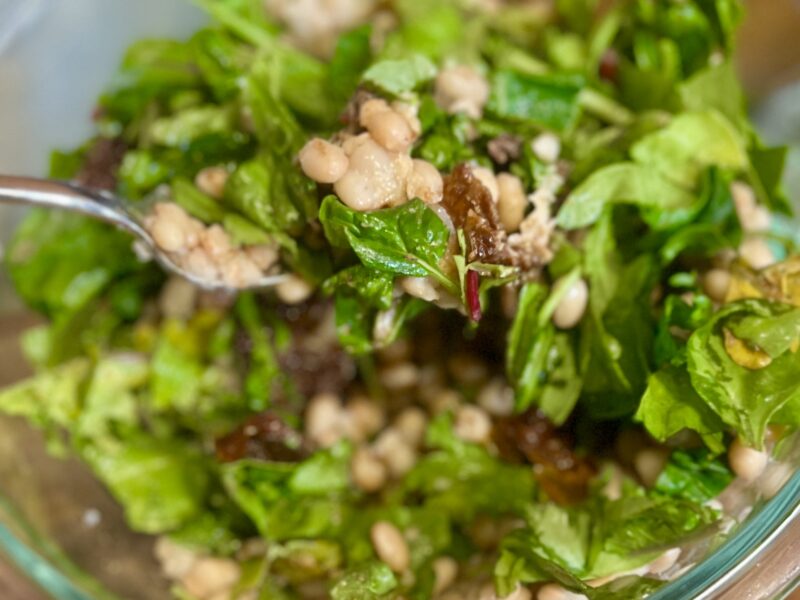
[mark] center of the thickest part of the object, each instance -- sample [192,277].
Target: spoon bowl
[105,206]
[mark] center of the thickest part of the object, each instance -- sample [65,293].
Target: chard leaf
[620,183]
[541,100]
[670,404]
[398,77]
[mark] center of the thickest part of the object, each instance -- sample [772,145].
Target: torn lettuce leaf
[693,475]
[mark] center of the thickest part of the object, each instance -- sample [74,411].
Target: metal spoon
[104,206]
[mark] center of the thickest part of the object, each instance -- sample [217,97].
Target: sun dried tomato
[264,436]
[532,437]
[471,208]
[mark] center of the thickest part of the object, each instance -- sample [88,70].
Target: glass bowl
[62,530]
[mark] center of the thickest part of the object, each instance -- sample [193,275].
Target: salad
[540,314]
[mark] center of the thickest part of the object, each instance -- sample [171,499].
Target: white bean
[176,560]
[169,235]
[216,241]
[365,416]
[411,424]
[546,147]
[400,376]
[376,178]
[425,182]
[209,576]
[461,89]
[399,456]
[390,546]
[553,591]
[368,472]
[496,398]
[198,263]
[419,287]
[570,309]
[370,109]
[294,290]
[716,283]
[747,463]
[409,113]
[322,161]
[211,181]
[325,420]
[390,130]
[238,270]
[473,424]
[649,463]
[445,570]
[756,253]
[263,255]
[512,201]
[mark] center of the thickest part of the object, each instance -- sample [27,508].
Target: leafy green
[670,404]
[624,183]
[190,124]
[691,142]
[351,58]
[370,286]
[161,485]
[54,263]
[367,582]
[542,100]
[693,476]
[195,202]
[283,503]
[463,480]
[595,539]
[408,240]
[716,88]
[744,399]
[398,77]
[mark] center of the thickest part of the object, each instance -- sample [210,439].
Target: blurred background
[46,99]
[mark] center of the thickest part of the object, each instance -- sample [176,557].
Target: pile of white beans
[207,251]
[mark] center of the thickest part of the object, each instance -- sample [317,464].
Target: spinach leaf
[408,240]
[542,100]
[370,286]
[745,399]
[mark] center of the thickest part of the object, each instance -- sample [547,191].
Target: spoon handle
[49,193]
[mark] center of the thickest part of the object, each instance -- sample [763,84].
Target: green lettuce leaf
[370,581]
